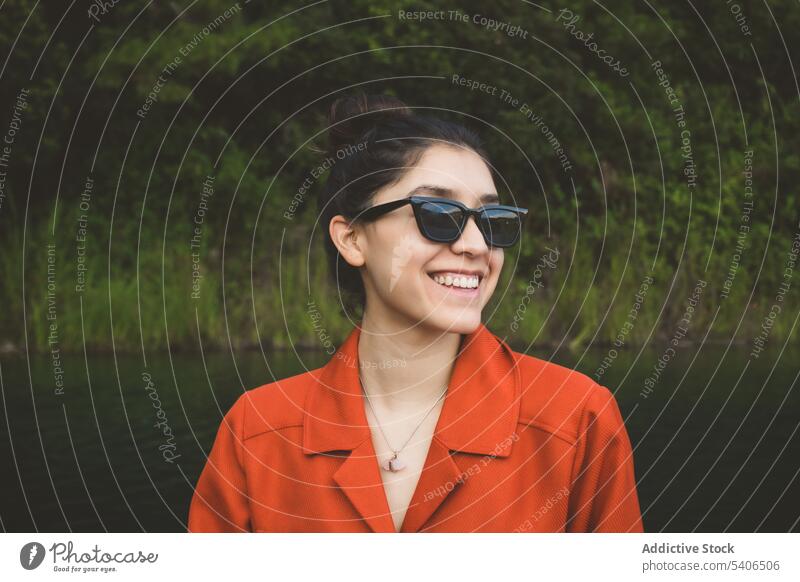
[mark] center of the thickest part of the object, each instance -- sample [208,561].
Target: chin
[463,321]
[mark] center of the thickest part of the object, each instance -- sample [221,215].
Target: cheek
[402,260]
[498,257]
[496,261]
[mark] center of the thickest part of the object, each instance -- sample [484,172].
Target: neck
[405,368]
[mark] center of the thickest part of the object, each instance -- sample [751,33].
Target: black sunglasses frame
[417,202]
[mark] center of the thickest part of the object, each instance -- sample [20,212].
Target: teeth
[463,281]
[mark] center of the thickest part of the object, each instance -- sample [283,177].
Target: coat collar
[480,410]
[479,415]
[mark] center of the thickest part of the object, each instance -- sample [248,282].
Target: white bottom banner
[349,557]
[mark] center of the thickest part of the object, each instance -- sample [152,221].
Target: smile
[456,280]
[456,284]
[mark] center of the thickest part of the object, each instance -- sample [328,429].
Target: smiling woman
[469,435]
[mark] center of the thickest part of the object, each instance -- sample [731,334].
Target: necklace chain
[397,451]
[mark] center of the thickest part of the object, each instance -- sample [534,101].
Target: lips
[457,280]
[453,291]
[457,274]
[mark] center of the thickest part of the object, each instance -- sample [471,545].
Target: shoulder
[562,401]
[273,406]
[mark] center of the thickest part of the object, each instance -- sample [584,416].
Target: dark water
[715,449]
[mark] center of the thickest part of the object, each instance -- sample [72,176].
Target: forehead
[459,170]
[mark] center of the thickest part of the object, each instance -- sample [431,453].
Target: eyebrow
[488,198]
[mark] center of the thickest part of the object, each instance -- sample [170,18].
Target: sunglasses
[443,221]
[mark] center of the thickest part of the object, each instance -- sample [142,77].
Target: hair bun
[354,115]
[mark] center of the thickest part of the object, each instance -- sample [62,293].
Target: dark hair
[373,140]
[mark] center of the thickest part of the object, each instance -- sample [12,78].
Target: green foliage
[169,93]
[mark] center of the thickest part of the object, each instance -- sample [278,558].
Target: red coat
[521,444]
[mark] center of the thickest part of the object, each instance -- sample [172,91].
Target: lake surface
[716,439]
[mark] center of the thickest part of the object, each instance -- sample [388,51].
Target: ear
[346,236]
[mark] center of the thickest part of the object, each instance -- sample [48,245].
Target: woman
[423,420]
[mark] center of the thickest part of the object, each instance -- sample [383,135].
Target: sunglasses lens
[440,222]
[443,222]
[500,226]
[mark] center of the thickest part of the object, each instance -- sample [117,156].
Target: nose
[471,240]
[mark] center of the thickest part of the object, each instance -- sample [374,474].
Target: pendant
[394,464]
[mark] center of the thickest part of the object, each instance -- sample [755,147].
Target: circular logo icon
[31,555]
